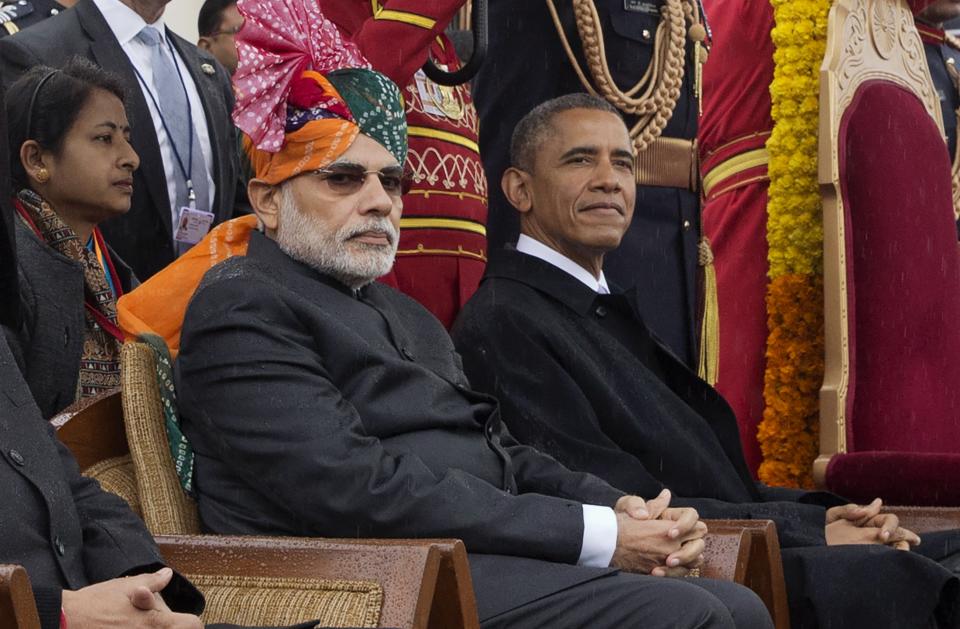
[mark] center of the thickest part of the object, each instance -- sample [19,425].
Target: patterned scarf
[100,363]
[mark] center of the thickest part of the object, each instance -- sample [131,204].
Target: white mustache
[379,227]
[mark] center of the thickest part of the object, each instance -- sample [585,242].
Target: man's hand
[131,603]
[855,524]
[639,509]
[669,546]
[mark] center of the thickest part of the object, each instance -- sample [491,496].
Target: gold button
[687,225]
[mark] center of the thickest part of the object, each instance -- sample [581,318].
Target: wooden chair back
[429,580]
[748,552]
[93,431]
[18,610]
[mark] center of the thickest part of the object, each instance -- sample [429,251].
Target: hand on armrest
[856,524]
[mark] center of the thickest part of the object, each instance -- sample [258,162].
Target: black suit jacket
[567,367]
[537,339]
[144,236]
[526,65]
[59,525]
[314,410]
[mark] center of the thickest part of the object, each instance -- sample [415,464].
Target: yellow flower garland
[789,430]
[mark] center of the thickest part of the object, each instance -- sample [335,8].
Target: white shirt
[537,249]
[126,24]
[599,523]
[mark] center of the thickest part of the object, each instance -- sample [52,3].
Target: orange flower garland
[788,434]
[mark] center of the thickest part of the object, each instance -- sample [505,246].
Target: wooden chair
[891,392]
[356,583]
[17,607]
[748,552]
[400,583]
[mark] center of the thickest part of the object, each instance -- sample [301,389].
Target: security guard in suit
[16,15]
[643,56]
[943,56]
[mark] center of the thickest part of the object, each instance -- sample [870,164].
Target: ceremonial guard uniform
[734,130]
[443,244]
[641,55]
[16,15]
[943,55]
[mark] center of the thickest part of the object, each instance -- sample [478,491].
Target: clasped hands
[856,524]
[654,538]
[128,602]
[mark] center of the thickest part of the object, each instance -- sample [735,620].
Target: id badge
[192,225]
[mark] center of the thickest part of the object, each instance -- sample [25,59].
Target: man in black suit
[175,156]
[527,64]
[580,377]
[319,402]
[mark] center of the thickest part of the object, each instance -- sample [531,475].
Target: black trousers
[623,600]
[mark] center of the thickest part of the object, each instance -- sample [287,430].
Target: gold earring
[43,175]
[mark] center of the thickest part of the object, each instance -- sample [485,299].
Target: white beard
[309,239]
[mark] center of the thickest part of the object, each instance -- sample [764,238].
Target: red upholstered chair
[890,402]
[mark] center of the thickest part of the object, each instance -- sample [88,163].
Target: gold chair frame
[866,40]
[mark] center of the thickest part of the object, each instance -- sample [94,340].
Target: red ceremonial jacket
[443,245]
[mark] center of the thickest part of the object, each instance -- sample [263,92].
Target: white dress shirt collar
[125,22]
[535,248]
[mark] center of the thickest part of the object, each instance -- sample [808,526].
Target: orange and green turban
[304,92]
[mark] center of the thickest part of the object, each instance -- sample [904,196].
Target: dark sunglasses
[349,179]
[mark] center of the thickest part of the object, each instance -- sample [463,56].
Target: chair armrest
[748,552]
[18,610]
[922,520]
[426,583]
[93,428]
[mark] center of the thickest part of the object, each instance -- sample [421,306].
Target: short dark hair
[56,107]
[530,132]
[211,16]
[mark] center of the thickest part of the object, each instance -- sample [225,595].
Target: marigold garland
[788,434]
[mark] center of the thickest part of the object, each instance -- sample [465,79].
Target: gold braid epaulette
[654,97]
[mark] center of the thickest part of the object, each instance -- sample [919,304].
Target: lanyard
[187,169]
